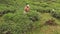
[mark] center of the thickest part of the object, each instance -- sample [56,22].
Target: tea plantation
[43,17]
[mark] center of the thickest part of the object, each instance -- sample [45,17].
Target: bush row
[6,11]
[56,14]
[20,23]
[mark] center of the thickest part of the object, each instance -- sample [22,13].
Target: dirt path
[50,30]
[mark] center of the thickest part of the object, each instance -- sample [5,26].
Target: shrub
[8,16]
[21,24]
[44,10]
[56,14]
[34,16]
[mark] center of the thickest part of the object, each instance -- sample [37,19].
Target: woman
[26,9]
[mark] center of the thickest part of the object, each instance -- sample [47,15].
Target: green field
[13,21]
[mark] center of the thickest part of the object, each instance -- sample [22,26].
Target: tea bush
[17,22]
[22,23]
[56,15]
[44,10]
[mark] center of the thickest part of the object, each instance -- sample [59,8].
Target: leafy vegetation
[13,21]
[56,15]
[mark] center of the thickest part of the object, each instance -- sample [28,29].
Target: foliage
[16,22]
[56,15]
[21,22]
